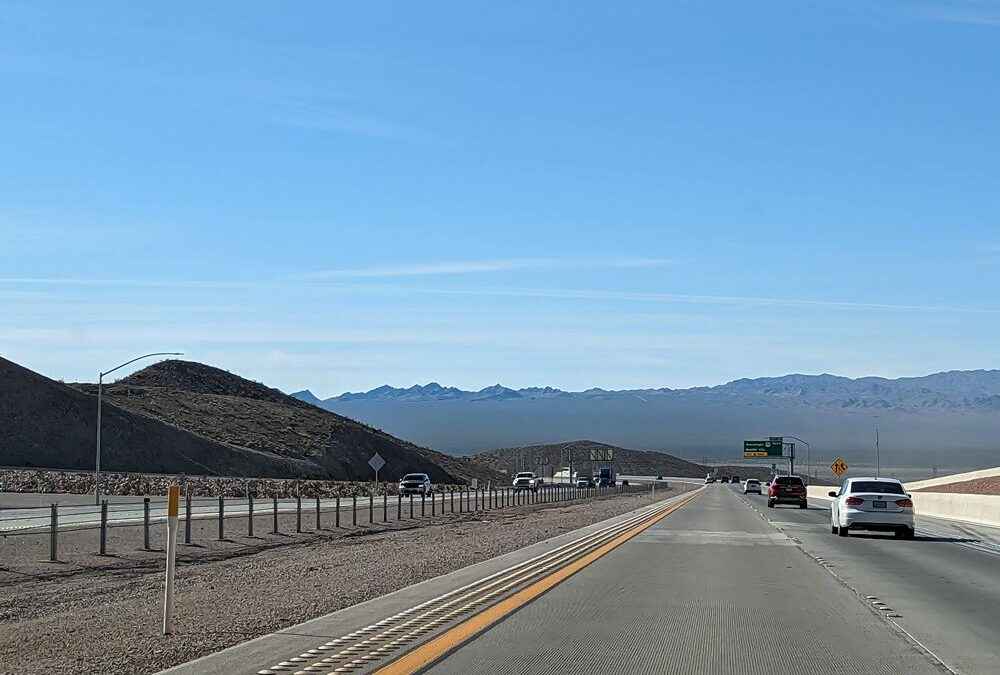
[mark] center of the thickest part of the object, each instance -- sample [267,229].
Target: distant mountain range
[945,419]
[976,390]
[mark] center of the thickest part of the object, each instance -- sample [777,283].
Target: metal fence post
[54,532]
[145,523]
[319,518]
[411,506]
[298,513]
[399,506]
[354,509]
[453,501]
[222,518]
[433,504]
[274,501]
[385,506]
[336,518]
[423,504]
[249,515]
[187,519]
[371,508]
[104,526]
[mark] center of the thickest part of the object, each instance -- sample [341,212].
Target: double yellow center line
[426,654]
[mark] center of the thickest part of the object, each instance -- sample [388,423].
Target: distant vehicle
[752,485]
[877,504]
[787,490]
[725,479]
[584,482]
[605,477]
[735,479]
[525,480]
[659,478]
[415,484]
[710,478]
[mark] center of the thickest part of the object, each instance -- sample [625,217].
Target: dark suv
[787,490]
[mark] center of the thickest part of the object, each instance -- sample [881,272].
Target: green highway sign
[768,448]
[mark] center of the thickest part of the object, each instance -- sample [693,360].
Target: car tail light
[905,503]
[855,501]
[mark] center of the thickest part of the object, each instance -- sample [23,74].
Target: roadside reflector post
[187,519]
[222,518]
[104,526]
[298,513]
[54,532]
[274,501]
[173,504]
[145,523]
[249,515]
[354,509]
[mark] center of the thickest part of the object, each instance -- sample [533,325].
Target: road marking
[428,653]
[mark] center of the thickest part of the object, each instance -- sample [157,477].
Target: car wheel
[804,505]
[842,530]
[833,529]
[770,504]
[900,534]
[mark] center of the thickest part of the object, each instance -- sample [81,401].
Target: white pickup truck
[526,480]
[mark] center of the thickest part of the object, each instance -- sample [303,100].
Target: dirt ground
[979,486]
[102,614]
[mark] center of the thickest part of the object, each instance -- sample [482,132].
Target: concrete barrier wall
[954,478]
[978,509]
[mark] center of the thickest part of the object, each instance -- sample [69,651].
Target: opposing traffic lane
[712,588]
[944,585]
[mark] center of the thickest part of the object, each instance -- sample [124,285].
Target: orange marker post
[173,507]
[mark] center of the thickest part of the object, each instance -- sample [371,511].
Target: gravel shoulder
[102,614]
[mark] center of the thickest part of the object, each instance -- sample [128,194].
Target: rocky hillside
[48,424]
[218,405]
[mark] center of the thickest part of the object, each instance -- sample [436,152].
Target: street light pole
[100,398]
[808,458]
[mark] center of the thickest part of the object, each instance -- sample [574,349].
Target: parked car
[525,480]
[877,504]
[751,485]
[415,484]
[585,482]
[787,490]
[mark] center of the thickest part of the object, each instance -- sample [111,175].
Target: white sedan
[751,485]
[877,504]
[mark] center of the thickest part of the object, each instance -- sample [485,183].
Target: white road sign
[376,462]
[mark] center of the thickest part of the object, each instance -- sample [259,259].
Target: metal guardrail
[430,509]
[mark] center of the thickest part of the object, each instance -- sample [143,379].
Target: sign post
[173,506]
[376,462]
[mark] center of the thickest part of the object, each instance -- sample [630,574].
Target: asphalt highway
[717,584]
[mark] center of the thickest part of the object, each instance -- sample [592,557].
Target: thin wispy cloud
[482,266]
[979,13]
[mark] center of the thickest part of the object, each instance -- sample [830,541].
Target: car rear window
[879,487]
[788,480]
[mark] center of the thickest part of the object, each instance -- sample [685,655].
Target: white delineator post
[173,506]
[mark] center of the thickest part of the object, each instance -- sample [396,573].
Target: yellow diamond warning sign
[839,467]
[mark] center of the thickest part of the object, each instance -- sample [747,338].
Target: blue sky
[341,195]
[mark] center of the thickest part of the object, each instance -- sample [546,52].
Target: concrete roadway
[722,585]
